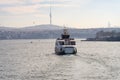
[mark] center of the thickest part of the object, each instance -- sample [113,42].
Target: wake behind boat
[65,44]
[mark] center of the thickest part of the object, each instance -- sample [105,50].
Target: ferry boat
[65,44]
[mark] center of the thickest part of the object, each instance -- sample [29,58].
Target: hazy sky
[72,13]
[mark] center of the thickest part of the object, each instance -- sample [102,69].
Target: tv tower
[50,14]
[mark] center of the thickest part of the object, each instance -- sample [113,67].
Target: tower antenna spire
[50,13]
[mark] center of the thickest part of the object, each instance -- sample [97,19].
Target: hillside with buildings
[48,32]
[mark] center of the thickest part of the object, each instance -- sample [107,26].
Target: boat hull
[63,53]
[66,51]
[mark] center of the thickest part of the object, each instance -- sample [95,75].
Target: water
[35,60]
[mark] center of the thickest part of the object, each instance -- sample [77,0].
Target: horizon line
[59,26]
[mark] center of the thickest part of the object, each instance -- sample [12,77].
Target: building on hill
[106,36]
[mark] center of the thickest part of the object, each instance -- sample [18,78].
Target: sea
[35,60]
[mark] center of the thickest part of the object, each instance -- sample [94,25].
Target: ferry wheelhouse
[65,44]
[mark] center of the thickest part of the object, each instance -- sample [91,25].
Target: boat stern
[67,50]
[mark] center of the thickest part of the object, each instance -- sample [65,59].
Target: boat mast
[65,31]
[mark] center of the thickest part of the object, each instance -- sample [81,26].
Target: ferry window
[73,43]
[61,43]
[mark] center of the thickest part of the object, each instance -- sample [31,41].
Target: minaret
[109,25]
[50,15]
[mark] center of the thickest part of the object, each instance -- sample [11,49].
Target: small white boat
[65,44]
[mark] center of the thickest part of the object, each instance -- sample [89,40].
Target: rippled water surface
[35,60]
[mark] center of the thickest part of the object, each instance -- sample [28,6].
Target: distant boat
[65,44]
